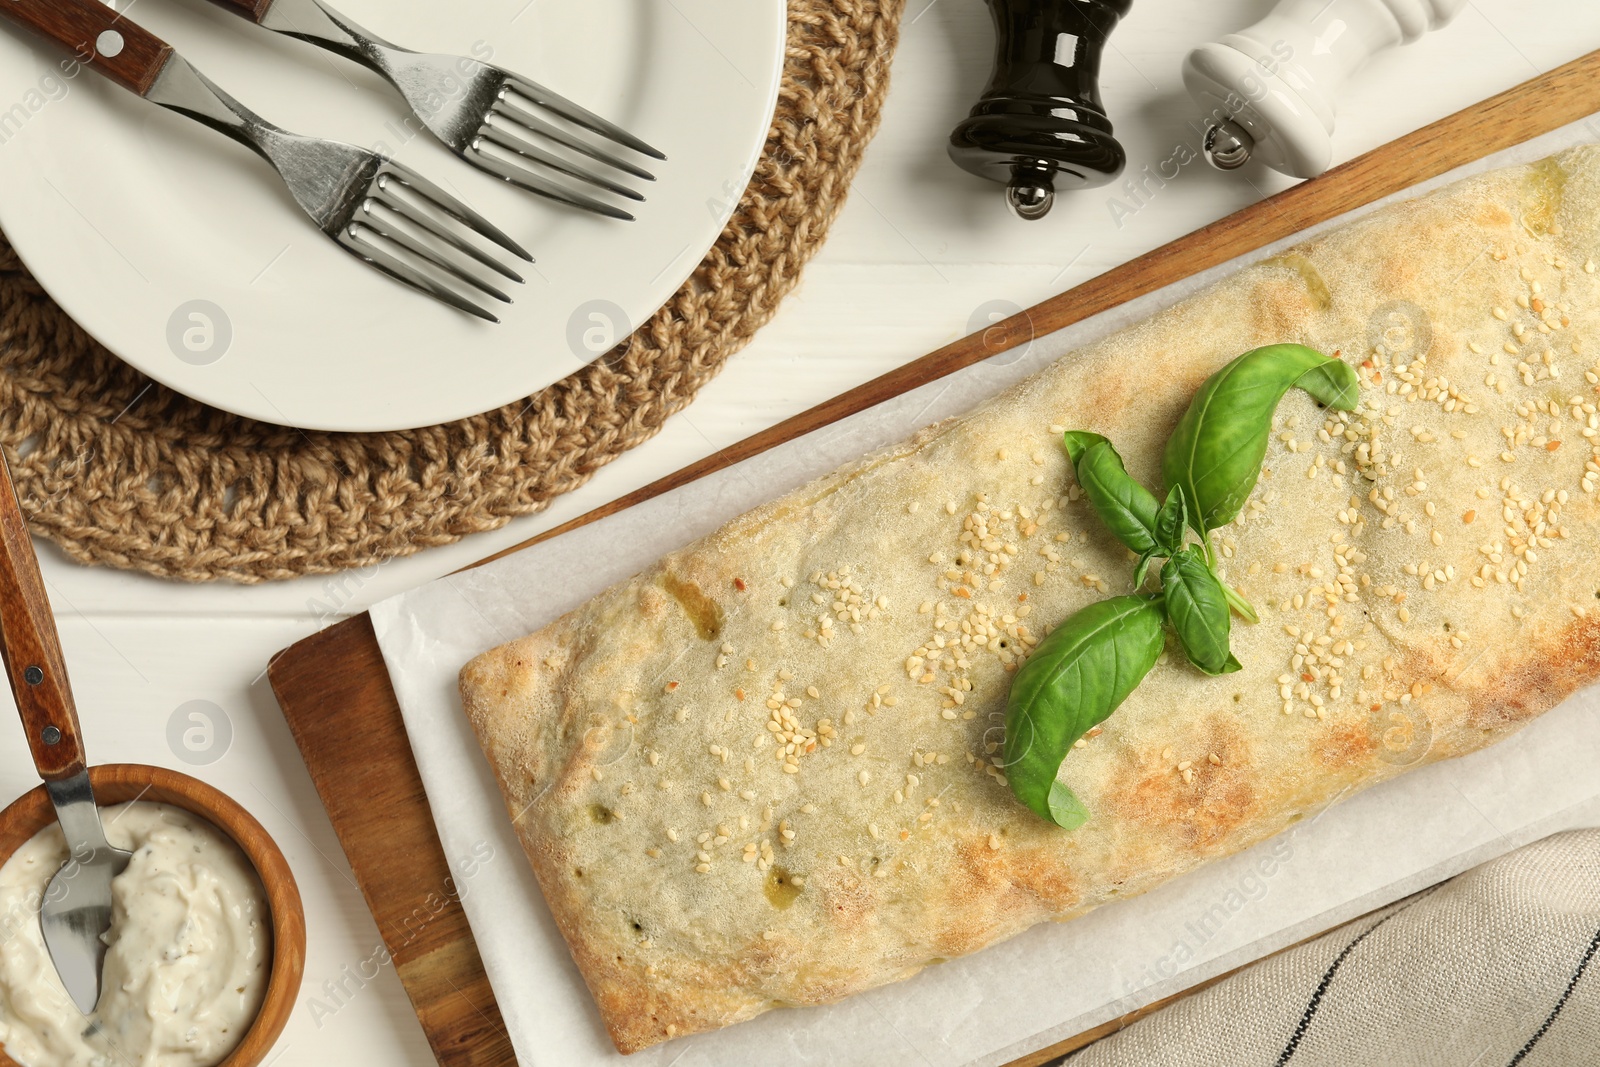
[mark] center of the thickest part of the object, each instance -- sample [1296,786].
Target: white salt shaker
[1269,91]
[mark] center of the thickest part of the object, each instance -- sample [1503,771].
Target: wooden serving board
[335,692]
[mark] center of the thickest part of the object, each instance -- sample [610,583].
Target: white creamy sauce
[189,954]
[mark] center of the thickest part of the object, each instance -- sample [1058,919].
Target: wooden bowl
[121,782]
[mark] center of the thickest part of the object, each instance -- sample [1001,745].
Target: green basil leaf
[1197,606]
[1074,679]
[1125,506]
[1142,570]
[1170,521]
[1333,383]
[1066,810]
[1080,441]
[1214,456]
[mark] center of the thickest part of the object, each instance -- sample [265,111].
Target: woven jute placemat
[123,472]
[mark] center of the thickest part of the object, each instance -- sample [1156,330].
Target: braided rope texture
[122,472]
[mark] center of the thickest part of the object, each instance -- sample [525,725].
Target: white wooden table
[920,250]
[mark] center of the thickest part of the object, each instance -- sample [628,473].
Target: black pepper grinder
[1040,125]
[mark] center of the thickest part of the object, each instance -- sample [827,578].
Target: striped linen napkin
[1494,968]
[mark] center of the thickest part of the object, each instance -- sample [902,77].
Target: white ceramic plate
[181,252]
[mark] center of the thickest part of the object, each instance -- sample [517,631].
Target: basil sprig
[1072,681]
[1088,665]
[1170,522]
[1125,506]
[1214,456]
[1197,607]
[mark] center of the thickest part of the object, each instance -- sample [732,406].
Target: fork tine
[520,146]
[526,179]
[452,207]
[381,260]
[543,97]
[409,244]
[420,219]
[511,107]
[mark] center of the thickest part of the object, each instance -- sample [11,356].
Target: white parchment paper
[1043,986]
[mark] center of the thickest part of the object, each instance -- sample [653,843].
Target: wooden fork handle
[110,43]
[29,644]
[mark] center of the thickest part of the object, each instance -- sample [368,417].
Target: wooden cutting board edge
[334,689]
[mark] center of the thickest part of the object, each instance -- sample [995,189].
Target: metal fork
[490,117]
[379,211]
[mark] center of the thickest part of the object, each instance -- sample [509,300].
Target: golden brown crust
[760,773]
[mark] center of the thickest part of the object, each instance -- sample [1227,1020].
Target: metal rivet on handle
[51,735]
[33,675]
